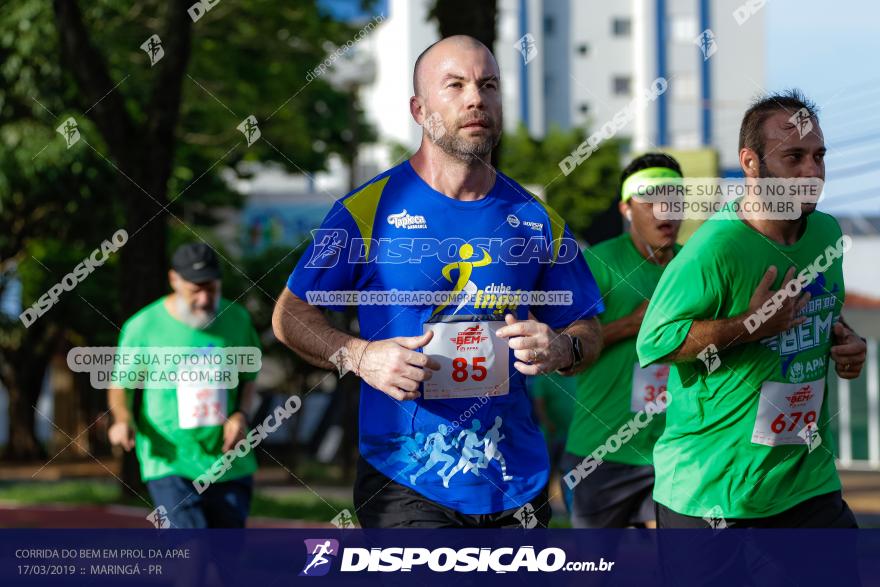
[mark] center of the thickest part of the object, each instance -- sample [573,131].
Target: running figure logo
[153,48]
[526,516]
[475,453]
[317,553]
[434,447]
[329,243]
[159,518]
[527,47]
[464,267]
[250,129]
[802,122]
[706,42]
[810,434]
[70,131]
[710,358]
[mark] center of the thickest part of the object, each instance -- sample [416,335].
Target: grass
[62,492]
[295,506]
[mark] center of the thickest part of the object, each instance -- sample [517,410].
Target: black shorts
[710,558]
[822,511]
[614,495]
[383,503]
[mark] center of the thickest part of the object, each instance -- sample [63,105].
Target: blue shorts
[221,505]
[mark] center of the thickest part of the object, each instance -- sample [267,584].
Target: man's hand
[849,352]
[121,434]
[783,318]
[394,367]
[234,429]
[537,347]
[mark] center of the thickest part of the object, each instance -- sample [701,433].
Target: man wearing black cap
[184,425]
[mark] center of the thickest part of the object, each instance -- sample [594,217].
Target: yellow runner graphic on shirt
[465,268]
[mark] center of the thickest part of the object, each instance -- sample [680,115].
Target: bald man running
[447,221]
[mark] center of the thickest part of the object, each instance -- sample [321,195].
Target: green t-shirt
[605,396]
[731,441]
[162,446]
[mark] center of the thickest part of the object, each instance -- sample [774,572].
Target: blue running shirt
[481,454]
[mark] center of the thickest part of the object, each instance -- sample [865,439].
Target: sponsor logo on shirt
[497,298]
[806,370]
[469,338]
[513,221]
[800,397]
[407,221]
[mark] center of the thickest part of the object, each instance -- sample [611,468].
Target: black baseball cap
[196,263]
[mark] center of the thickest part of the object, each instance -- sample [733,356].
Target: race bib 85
[473,360]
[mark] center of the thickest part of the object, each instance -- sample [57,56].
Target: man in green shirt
[749,312]
[183,431]
[618,413]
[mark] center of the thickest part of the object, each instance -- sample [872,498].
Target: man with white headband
[619,409]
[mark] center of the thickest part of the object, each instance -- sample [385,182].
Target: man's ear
[417,109]
[750,162]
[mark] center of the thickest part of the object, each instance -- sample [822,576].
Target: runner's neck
[169,306]
[466,182]
[784,232]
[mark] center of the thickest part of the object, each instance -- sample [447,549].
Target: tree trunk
[143,154]
[22,372]
[467,17]
[143,260]
[23,444]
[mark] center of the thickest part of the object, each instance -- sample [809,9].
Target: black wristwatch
[577,352]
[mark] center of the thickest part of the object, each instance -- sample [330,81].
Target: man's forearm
[305,329]
[618,330]
[722,333]
[118,405]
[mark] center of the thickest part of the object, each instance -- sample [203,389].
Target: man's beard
[764,172]
[197,319]
[469,150]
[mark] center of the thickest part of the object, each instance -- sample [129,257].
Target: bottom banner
[434,557]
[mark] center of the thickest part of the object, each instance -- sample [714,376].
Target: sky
[831,50]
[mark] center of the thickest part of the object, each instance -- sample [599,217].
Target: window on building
[684,28]
[584,108]
[583,49]
[621,85]
[549,24]
[621,27]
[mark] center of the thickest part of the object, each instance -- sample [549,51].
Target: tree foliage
[579,197]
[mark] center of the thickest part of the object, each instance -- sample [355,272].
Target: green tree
[153,142]
[579,197]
